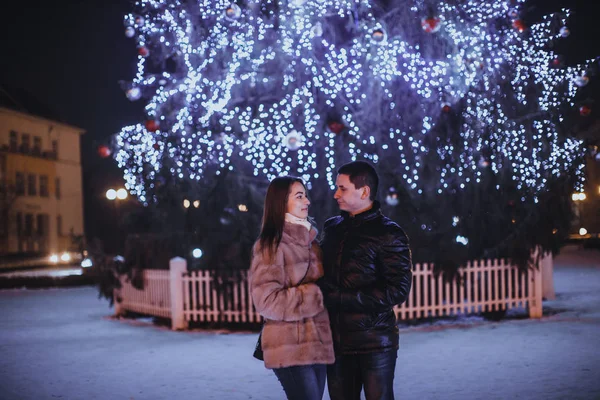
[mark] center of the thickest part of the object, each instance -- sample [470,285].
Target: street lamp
[578,196]
[121,194]
[118,194]
[577,199]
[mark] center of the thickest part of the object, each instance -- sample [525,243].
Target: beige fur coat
[297,330]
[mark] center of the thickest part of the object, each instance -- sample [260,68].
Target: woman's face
[298,203]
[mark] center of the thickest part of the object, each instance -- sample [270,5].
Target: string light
[244,82]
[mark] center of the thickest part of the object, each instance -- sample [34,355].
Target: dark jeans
[372,371]
[303,382]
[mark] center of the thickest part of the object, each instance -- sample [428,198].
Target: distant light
[455,221]
[197,253]
[121,194]
[462,240]
[242,207]
[186,203]
[582,231]
[196,203]
[86,263]
[65,257]
[111,194]
[54,258]
[578,196]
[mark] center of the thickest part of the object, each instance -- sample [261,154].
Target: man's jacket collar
[367,215]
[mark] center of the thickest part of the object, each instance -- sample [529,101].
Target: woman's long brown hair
[274,214]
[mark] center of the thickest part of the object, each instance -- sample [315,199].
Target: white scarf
[292,219]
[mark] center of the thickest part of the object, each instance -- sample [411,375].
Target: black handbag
[258,351]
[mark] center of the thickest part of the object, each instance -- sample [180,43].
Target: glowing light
[578,196]
[197,253]
[462,240]
[121,194]
[241,92]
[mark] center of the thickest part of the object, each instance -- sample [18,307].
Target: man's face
[349,198]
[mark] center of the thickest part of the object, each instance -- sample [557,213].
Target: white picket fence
[204,296]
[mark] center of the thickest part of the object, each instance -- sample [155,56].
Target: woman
[286,261]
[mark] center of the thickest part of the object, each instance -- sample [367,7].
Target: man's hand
[330,292]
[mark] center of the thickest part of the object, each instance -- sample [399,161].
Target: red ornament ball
[143,51]
[104,151]
[556,62]
[336,127]
[156,146]
[152,125]
[584,111]
[446,108]
[432,24]
[519,25]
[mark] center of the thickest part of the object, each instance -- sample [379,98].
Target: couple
[328,308]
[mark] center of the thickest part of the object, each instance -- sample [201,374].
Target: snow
[56,272]
[63,343]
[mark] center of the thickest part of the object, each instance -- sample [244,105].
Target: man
[367,265]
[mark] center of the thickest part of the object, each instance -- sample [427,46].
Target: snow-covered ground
[53,272]
[63,343]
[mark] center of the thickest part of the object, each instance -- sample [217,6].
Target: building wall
[42,171]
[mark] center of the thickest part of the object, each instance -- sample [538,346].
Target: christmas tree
[462,106]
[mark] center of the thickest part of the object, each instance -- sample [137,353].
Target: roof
[21,100]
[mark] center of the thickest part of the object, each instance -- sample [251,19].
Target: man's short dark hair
[361,173]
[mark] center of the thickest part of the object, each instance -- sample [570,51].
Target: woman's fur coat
[297,330]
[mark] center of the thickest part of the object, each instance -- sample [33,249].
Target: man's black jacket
[367,265]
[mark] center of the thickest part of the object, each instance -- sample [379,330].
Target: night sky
[73,56]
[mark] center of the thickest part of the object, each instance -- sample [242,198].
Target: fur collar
[295,233]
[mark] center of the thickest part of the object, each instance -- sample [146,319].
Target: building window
[28,225]
[25,144]
[44,186]
[14,142]
[31,185]
[20,184]
[57,185]
[4,222]
[19,224]
[40,225]
[37,145]
[59,225]
[55,148]
[2,171]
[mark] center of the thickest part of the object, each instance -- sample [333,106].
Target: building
[41,198]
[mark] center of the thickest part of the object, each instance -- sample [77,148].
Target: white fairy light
[240,85]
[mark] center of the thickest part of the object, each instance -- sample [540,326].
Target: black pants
[373,372]
[303,382]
